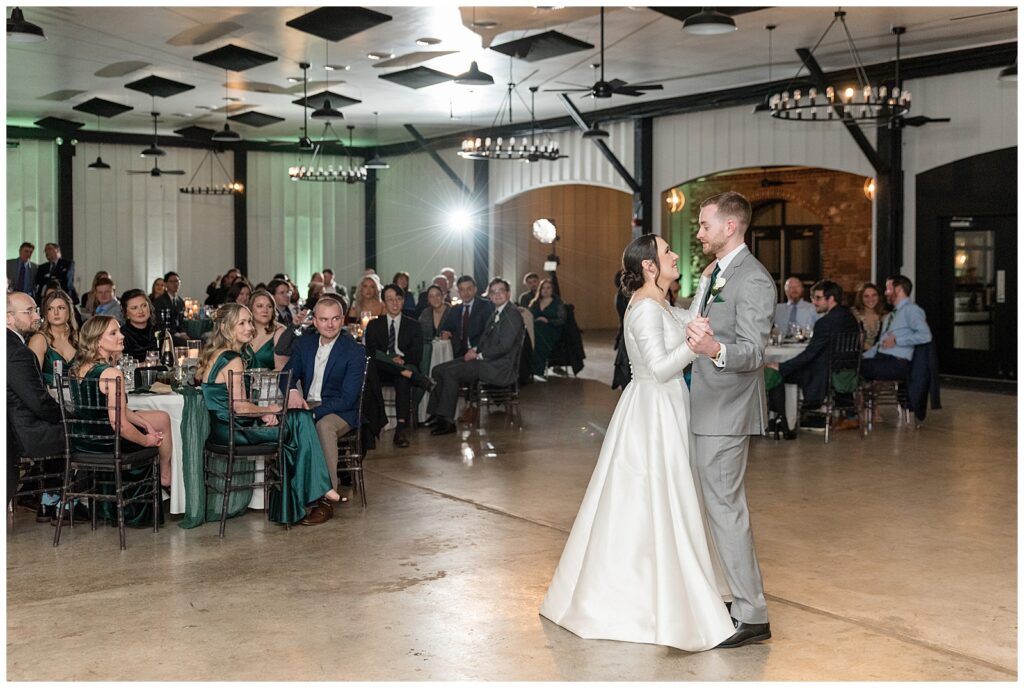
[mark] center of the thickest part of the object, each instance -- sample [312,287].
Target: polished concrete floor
[887,558]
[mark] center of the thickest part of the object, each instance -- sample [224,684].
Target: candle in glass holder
[194,345]
[364,319]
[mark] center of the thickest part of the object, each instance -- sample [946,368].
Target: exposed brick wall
[835,198]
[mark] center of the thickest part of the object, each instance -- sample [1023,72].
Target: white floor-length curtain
[31,195]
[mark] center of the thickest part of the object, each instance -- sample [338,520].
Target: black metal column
[889,204]
[370,219]
[241,212]
[643,168]
[482,230]
[65,200]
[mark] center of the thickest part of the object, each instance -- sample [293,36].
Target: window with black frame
[786,238]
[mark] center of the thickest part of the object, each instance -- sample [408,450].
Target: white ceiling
[642,46]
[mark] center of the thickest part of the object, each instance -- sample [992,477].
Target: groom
[728,398]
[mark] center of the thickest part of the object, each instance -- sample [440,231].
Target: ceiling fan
[156,152]
[768,183]
[606,89]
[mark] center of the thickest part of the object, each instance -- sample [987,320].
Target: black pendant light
[153,151]
[474,77]
[99,164]
[595,132]
[305,143]
[708,22]
[376,162]
[225,135]
[763,105]
[21,31]
[327,113]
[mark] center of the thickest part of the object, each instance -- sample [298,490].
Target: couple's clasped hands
[700,337]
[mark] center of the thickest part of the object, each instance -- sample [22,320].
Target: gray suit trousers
[719,463]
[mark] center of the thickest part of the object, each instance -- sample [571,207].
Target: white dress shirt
[323,352]
[705,284]
[398,328]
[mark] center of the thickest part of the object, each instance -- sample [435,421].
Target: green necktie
[711,285]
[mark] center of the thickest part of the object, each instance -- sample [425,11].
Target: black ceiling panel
[315,100]
[683,13]
[255,119]
[235,58]
[196,133]
[542,46]
[103,108]
[58,124]
[417,77]
[336,23]
[159,86]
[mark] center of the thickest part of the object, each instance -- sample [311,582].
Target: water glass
[152,358]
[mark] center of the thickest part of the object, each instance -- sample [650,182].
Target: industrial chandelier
[317,173]
[521,149]
[863,103]
[226,189]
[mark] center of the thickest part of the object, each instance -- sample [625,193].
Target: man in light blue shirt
[794,311]
[902,330]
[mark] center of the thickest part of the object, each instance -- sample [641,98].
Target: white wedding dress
[637,565]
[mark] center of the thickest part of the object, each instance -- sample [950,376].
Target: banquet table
[440,352]
[777,354]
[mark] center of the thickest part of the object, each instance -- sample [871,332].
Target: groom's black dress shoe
[443,427]
[746,634]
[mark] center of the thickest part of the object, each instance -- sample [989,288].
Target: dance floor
[887,558]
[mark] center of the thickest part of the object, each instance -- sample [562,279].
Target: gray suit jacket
[13,266]
[499,346]
[732,400]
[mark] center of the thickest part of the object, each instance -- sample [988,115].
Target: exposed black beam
[481,233]
[241,213]
[65,200]
[822,81]
[601,145]
[438,159]
[370,220]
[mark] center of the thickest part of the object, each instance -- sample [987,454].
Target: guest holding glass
[367,299]
[139,329]
[55,343]
[870,312]
[548,319]
[259,352]
[308,480]
[100,345]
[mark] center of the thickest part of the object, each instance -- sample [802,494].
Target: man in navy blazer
[58,268]
[465,323]
[327,375]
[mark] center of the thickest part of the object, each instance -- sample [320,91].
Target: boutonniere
[497,316]
[718,286]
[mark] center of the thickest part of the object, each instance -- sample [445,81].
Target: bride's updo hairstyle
[644,247]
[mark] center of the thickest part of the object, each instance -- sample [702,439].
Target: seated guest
[434,315]
[58,268]
[332,287]
[139,328]
[34,426]
[530,281]
[169,308]
[467,321]
[398,337]
[52,286]
[89,297]
[217,290]
[57,339]
[239,293]
[449,275]
[492,360]
[106,302]
[810,368]
[548,319]
[902,330]
[259,352]
[329,367]
[308,481]
[441,282]
[794,311]
[314,292]
[281,290]
[100,344]
[158,289]
[409,307]
[869,310]
[367,299]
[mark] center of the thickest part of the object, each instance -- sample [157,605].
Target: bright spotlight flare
[460,220]
[544,231]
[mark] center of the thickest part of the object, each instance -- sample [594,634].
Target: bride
[637,565]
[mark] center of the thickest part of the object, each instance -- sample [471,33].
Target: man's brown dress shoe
[321,513]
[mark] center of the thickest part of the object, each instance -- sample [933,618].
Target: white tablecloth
[778,354]
[440,352]
[174,405]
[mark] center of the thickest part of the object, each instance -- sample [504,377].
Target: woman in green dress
[307,478]
[259,353]
[55,343]
[548,319]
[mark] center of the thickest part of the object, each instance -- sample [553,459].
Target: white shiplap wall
[302,227]
[984,118]
[31,196]
[137,227]
[414,203]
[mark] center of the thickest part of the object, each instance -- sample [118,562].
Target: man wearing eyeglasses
[34,426]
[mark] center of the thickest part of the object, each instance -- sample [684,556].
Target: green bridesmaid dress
[304,460]
[264,358]
[52,356]
[138,514]
[546,334]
